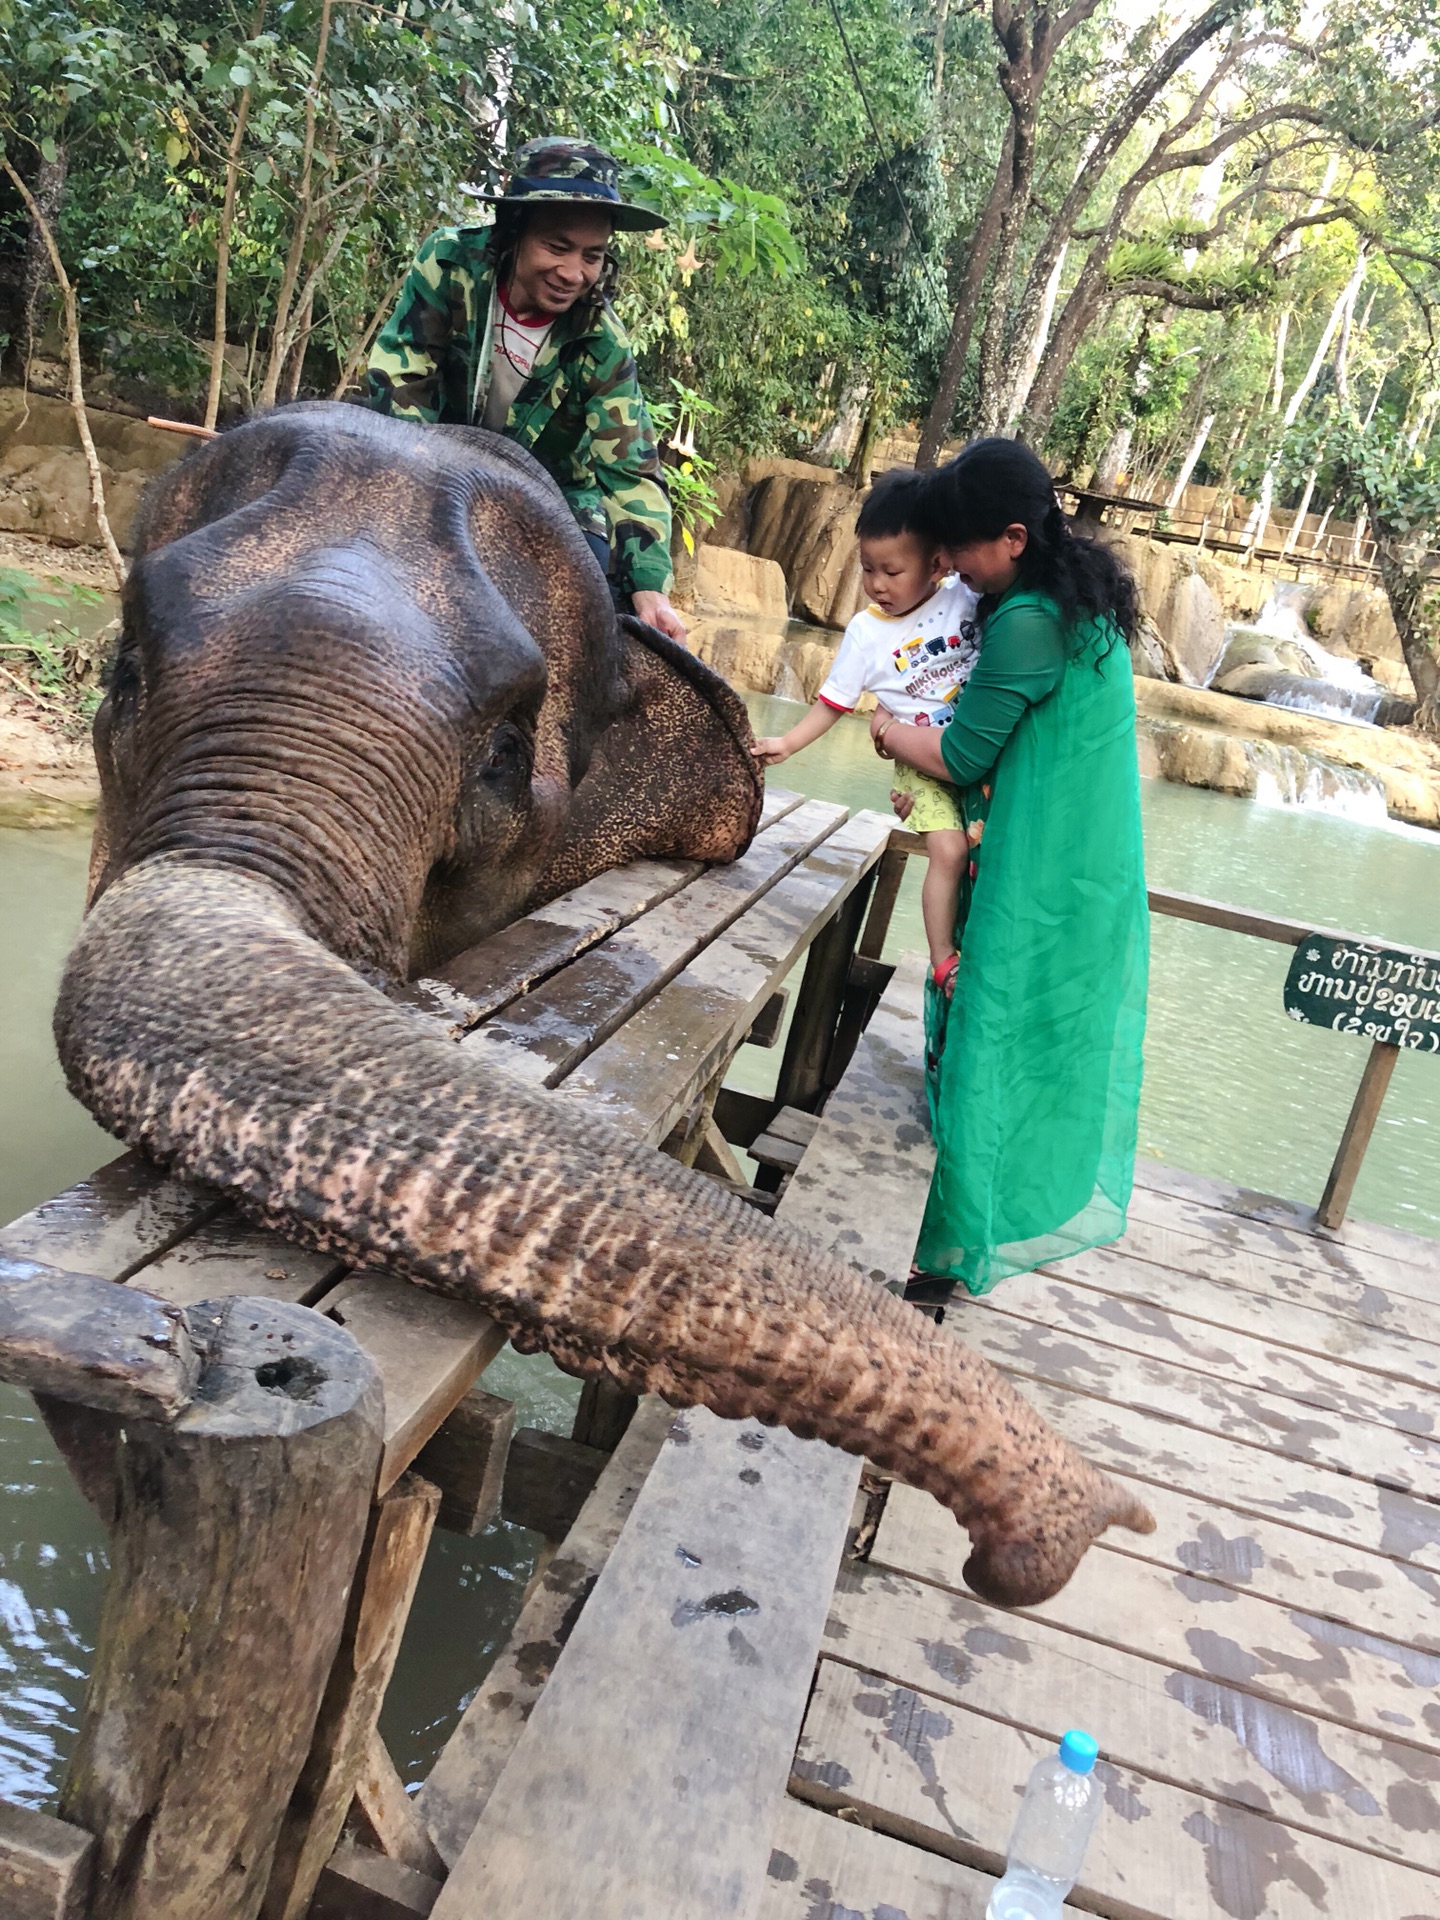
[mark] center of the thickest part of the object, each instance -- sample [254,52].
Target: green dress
[1037,1059]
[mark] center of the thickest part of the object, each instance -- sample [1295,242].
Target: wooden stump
[237,1530]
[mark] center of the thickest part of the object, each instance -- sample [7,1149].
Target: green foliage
[51,662]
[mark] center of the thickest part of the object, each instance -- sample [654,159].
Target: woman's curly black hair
[994,484]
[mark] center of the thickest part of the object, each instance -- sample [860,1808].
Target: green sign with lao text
[1381,993]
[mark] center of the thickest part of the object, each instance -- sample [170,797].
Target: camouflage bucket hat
[554,169]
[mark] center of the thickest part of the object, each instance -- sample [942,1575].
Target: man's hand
[656,611]
[771,750]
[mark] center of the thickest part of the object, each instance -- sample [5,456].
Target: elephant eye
[509,754]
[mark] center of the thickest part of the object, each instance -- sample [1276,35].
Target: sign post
[1382,994]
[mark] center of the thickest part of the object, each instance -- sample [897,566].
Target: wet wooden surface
[1261,1673]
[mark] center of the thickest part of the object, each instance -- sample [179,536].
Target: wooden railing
[1374,1079]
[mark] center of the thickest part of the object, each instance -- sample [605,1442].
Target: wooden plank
[360,1885]
[1193,1730]
[463,1778]
[765,1030]
[1359,1125]
[922,1769]
[548,1479]
[1282,1318]
[401,1524]
[112,1223]
[1264,926]
[230,1255]
[822,1868]
[790,1123]
[1182,1244]
[498,970]
[771,1151]
[548,1032]
[715,1157]
[1067,1356]
[706,1617]
[888,878]
[466,1461]
[389,1813]
[45,1866]
[1356,1237]
[819,1002]
[86,1340]
[1205,1541]
[651,1073]
[1200,1461]
[428,1351]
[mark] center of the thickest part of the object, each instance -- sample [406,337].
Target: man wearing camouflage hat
[510,327]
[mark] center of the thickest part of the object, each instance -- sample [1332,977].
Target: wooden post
[466,1461]
[603,1414]
[817,1010]
[45,1866]
[400,1530]
[888,876]
[1356,1137]
[236,1534]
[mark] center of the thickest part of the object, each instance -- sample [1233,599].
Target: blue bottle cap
[1078,1752]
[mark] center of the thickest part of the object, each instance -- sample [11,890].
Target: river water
[1232,1089]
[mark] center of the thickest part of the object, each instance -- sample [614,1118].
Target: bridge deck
[750,1681]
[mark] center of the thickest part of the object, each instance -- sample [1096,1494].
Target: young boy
[913,647]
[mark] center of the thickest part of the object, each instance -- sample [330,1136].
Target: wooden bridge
[747,1679]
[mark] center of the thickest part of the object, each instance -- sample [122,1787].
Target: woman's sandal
[930,1292]
[943,976]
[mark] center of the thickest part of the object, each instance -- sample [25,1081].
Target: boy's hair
[890,507]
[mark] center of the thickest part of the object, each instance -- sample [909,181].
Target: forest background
[1162,243]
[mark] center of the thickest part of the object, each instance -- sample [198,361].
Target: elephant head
[370,703]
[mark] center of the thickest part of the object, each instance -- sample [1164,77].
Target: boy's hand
[771,750]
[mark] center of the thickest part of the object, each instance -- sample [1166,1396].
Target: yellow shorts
[936,807]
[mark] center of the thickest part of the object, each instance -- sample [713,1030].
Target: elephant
[371,701]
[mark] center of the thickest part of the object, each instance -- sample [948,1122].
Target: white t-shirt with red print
[914,663]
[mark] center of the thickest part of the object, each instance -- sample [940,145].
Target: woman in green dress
[1036,1058]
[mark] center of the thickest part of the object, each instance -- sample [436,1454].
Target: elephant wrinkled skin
[371,702]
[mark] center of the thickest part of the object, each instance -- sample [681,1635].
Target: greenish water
[1233,1089]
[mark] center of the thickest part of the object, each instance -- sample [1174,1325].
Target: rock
[1407,766]
[44,482]
[808,527]
[767,466]
[733,526]
[728,581]
[1194,625]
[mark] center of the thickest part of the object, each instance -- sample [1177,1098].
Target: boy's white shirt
[914,663]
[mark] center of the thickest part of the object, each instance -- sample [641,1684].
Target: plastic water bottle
[1053,1829]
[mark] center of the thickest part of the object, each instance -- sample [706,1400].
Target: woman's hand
[901,802]
[880,719]
[772,750]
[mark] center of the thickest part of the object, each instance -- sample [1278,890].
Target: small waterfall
[1331,698]
[788,684]
[1287,777]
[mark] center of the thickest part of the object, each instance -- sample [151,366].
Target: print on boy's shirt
[915,664]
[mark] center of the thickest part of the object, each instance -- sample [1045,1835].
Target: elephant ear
[671,777]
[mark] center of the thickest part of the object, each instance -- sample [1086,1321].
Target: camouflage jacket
[581,412]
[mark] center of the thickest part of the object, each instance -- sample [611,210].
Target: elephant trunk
[200,1021]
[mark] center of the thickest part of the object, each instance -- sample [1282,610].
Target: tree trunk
[952,368]
[35,272]
[1021,370]
[942,21]
[77,379]
[1114,459]
[1190,462]
[282,334]
[222,240]
[844,431]
[1401,559]
[295,365]
[1298,522]
[990,402]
